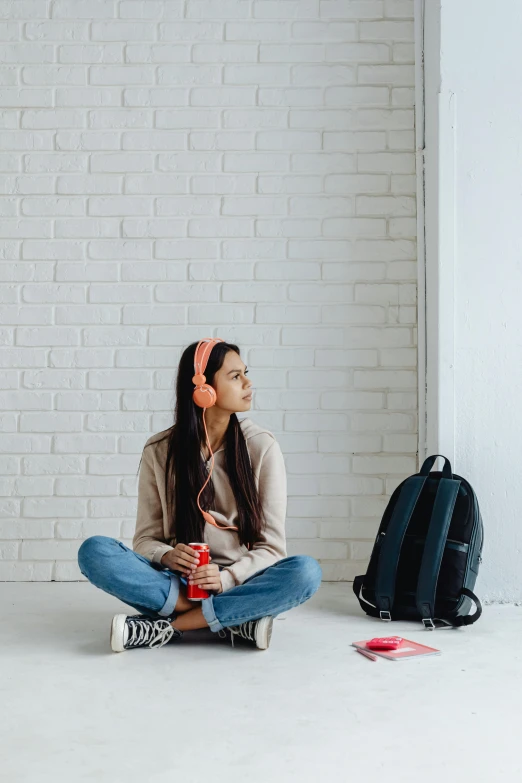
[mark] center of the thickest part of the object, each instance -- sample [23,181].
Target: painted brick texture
[172,170]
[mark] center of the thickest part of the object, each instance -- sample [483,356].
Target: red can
[195,593]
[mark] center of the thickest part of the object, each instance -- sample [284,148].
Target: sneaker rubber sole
[116,636]
[264,632]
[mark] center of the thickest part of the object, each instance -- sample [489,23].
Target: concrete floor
[308,709]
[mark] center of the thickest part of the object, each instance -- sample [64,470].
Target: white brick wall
[171,170]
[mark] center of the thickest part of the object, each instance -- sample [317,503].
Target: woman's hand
[182,558]
[207,577]
[185,560]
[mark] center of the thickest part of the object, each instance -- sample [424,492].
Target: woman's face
[232,385]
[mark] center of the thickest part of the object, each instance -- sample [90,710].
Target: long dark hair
[185,471]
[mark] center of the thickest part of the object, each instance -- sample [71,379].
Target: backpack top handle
[429,463]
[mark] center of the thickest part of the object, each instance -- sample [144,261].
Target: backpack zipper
[451,543]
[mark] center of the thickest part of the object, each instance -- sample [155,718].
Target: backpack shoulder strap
[441,514]
[386,573]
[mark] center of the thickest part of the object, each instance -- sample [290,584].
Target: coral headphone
[205,397]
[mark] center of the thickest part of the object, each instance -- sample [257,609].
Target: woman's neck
[217,424]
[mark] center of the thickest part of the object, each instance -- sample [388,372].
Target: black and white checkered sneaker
[257,631]
[137,630]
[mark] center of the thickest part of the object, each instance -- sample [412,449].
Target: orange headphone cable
[211,466]
[208,517]
[205,513]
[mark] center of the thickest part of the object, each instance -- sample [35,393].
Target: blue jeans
[153,589]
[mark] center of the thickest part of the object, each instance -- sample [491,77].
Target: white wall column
[473,209]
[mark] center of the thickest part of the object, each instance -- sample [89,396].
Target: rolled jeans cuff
[172,599]
[207,607]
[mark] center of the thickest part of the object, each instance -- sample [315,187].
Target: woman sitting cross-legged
[249,579]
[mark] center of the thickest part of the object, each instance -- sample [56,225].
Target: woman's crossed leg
[157,592]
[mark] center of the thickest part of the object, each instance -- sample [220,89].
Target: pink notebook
[408,649]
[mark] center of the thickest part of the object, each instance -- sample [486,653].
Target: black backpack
[425,560]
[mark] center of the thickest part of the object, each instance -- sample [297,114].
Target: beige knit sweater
[154,535]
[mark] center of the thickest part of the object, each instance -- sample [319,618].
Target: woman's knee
[91,549]
[309,572]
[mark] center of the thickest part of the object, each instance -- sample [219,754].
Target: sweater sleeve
[271,546]
[148,537]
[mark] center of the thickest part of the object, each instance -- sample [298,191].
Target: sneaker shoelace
[154,633]
[245,631]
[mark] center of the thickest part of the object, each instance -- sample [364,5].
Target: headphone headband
[202,353]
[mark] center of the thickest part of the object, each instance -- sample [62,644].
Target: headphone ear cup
[204,396]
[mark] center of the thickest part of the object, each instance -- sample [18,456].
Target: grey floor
[307,709]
